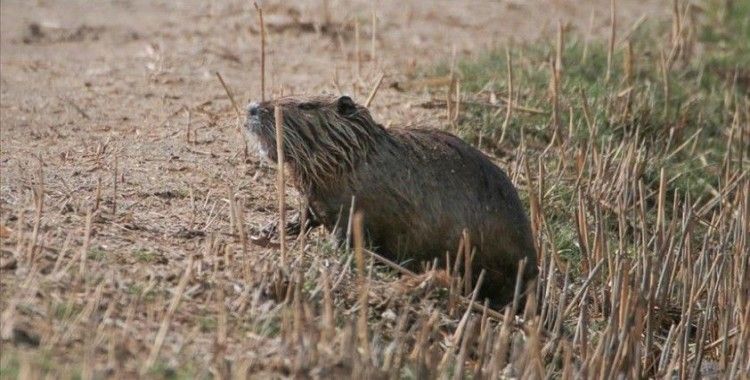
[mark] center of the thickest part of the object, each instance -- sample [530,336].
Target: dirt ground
[94,94]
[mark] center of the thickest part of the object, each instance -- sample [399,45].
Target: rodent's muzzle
[253,122]
[259,136]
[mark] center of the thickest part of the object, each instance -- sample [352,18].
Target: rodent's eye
[307,106]
[346,106]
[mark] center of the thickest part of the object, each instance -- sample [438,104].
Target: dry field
[128,197]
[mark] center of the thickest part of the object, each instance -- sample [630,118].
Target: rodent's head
[323,135]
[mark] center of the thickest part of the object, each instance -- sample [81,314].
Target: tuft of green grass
[42,362]
[138,291]
[144,255]
[97,254]
[66,310]
[9,367]
[163,370]
[726,35]
[208,323]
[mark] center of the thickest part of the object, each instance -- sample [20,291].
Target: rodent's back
[421,188]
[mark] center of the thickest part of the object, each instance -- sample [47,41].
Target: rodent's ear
[345,106]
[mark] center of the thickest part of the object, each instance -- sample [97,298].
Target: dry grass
[644,263]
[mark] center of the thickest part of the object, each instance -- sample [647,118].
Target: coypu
[417,188]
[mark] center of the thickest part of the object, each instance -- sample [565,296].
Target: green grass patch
[97,254]
[144,255]
[66,310]
[208,323]
[726,36]
[162,370]
[675,100]
[40,362]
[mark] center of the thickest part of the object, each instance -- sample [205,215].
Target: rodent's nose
[253,109]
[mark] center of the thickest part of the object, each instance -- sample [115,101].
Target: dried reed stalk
[39,191]
[374,90]
[240,223]
[587,38]
[612,36]
[262,51]
[509,103]
[98,197]
[280,180]
[86,242]
[362,327]
[188,126]
[230,96]
[357,53]
[167,319]
[374,33]
[114,186]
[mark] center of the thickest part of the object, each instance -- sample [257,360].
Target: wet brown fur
[418,188]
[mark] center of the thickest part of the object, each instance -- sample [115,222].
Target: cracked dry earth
[96,101]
